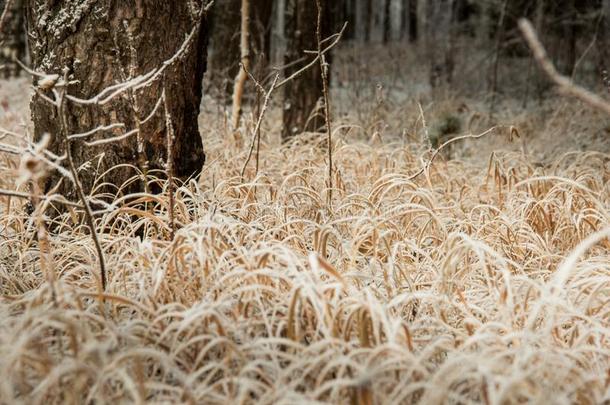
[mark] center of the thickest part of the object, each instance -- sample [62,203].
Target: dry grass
[464,285]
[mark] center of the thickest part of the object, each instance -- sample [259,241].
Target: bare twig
[260,112]
[426,167]
[101,128]
[566,86]
[60,106]
[258,126]
[324,76]
[337,38]
[170,138]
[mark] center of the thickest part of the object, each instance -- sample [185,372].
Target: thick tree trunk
[104,42]
[12,37]
[224,47]
[301,94]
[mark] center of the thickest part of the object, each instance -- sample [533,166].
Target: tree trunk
[408,26]
[570,34]
[104,42]
[301,94]
[413,21]
[360,20]
[369,17]
[387,22]
[12,37]
[224,47]
[603,44]
[349,15]
[278,39]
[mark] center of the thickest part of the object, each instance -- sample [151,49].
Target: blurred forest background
[399,50]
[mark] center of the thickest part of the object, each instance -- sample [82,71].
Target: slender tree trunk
[571,36]
[242,75]
[301,95]
[406,22]
[104,42]
[278,45]
[349,14]
[361,18]
[413,21]
[387,22]
[603,44]
[369,18]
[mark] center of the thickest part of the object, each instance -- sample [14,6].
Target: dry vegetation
[483,280]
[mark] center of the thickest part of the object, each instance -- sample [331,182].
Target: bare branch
[315,60]
[325,93]
[258,125]
[566,86]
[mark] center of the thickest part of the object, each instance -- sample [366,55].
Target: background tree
[105,42]
[301,95]
[603,44]
[225,53]
[409,20]
[387,22]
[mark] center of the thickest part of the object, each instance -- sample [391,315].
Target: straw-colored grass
[483,280]
[464,285]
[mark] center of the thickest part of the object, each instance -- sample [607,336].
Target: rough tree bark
[301,94]
[102,43]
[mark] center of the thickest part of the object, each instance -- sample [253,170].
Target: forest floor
[485,279]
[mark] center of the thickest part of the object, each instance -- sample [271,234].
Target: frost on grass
[438,290]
